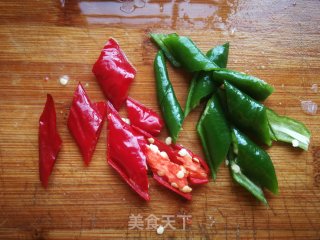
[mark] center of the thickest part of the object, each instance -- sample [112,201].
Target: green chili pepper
[254,87]
[288,130]
[247,114]
[182,50]
[251,166]
[219,55]
[201,87]
[244,181]
[254,162]
[265,124]
[202,84]
[170,107]
[214,133]
[158,38]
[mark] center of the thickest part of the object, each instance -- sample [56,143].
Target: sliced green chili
[253,86]
[254,162]
[251,166]
[215,134]
[263,123]
[158,38]
[247,114]
[170,107]
[201,87]
[288,130]
[244,181]
[182,50]
[219,55]
[202,84]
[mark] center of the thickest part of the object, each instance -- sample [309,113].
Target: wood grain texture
[41,40]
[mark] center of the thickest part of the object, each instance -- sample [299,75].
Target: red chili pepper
[114,73]
[49,141]
[166,161]
[166,172]
[143,117]
[125,154]
[195,165]
[85,122]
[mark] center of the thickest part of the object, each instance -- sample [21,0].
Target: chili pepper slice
[114,73]
[244,181]
[247,114]
[253,162]
[158,38]
[202,85]
[188,54]
[266,125]
[196,167]
[166,172]
[125,153]
[253,86]
[85,122]
[215,134]
[143,117]
[288,130]
[219,55]
[170,107]
[49,141]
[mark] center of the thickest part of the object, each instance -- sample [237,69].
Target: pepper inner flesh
[161,165]
[193,166]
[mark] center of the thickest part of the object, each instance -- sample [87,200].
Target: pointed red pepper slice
[125,154]
[114,73]
[195,165]
[164,183]
[166,172]
[198,170]
[49,141]
[143,117]
[85,122]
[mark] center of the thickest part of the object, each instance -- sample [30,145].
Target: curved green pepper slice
[168,102]
[182,51]
[288,130]
[244,181]
[253,86]
[254,162]
[247,114]
[158,38]
[251,166]
[202,84]
[215,134]
[219,55]
[265,124]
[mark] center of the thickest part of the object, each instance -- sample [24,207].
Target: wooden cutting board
[40,41]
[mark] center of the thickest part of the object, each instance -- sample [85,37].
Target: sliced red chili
[125,154]
[85,122]
[144,117]
[49,141]
[114,73]
[198,170]
[195,165]
[164,183]
[166,172]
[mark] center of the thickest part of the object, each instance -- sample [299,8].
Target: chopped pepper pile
[233,112]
